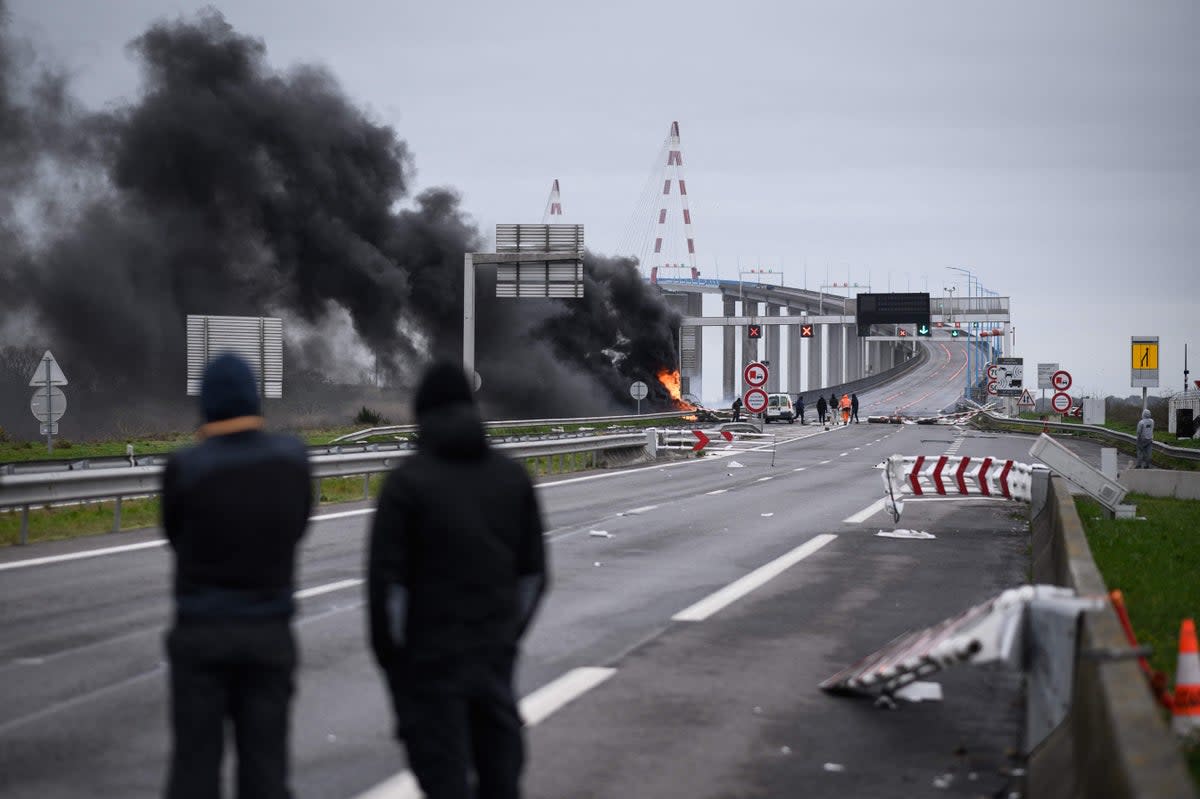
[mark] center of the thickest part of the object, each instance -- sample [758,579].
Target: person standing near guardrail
[1145,440]
[456,570]
[234,508]
[737,408]
[821,408]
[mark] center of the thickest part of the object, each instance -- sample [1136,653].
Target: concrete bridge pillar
[749,345]
[691,376]
[794,381]
[814,359]
[773,334]
[729,364]
[835,372]
[854,355]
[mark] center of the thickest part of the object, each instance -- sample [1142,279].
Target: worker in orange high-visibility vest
[845,406]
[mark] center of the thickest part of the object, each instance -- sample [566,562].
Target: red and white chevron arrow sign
[944,475]
[702,438]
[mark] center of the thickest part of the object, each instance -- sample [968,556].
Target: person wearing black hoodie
[456,570]
[234,508]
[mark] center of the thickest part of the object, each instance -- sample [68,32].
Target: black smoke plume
[231,187]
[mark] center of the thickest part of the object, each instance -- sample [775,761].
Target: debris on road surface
[735,465]
[836,768]
[920,534]
[599,533]
[766,514]
[943,781]
[921,691]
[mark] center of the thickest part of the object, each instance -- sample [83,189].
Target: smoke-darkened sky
[228,184]
[1049,148]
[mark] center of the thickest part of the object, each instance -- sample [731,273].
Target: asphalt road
[644,675]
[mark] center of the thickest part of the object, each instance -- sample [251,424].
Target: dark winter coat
[234,508]
[457,562]
[821,406]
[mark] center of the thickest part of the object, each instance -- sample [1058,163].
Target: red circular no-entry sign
[755,374]
[1061,380]
[1061,402]
[755,400]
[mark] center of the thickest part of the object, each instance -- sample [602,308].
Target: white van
[779,408]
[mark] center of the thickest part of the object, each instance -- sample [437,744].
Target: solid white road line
[91,553]
[317,590]
[636,511]
[866,512]
[764,479]
[535,708]
[755,579]
[714,493]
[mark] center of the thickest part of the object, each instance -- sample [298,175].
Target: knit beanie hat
[443,384]
[229,389]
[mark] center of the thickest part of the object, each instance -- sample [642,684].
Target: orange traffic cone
[1187,682]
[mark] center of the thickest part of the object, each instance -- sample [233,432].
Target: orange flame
[671,382]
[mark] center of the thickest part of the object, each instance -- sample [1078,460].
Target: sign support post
[49,423]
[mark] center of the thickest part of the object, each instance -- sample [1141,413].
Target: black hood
[453,432]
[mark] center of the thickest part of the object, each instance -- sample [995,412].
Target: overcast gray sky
[1051,148]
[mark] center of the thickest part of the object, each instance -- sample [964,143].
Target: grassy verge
[1155,563]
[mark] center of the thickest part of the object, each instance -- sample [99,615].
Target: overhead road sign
[1061,402]
[896,309]
[755,400]
[1144,361]
[924,330]
[806,331]
[1060,380]
[754,331]
[755,374]
[547,261]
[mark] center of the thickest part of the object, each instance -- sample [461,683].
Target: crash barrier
[396,429]
[1104,489]
[1096,431]
[1162,482]
[114,482]
[728,439]
[958,476]
[1031,629]
[1113,742]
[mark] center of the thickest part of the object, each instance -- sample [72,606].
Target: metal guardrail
[396,429]
[1186,453]
[44,488]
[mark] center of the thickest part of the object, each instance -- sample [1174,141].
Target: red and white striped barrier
[955,476]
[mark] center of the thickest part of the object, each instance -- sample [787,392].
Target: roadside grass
[1155,564]
[88,518]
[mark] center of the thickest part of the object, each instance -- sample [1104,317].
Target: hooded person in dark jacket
[457,567]
[821,407]
[233,509]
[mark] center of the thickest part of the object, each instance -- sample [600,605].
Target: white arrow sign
[56,376]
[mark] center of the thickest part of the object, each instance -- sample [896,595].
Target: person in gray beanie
[234,508]
[1145,440]
[456,570]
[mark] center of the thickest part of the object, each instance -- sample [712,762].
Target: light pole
[972,358]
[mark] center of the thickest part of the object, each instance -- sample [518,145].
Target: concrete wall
[1162,482]
[1114,742]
